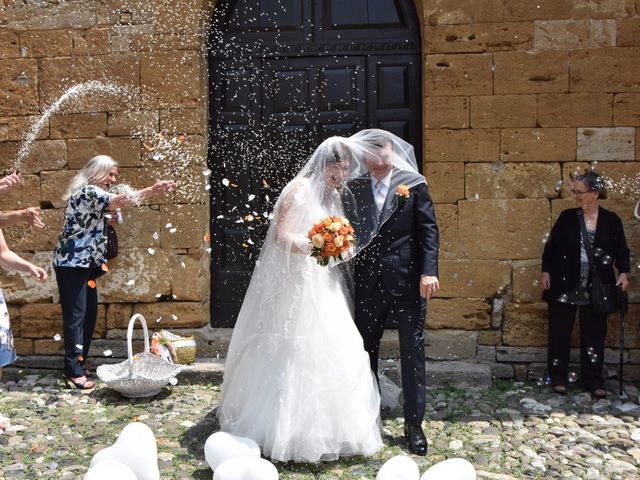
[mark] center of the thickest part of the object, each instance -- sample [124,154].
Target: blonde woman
[80,254]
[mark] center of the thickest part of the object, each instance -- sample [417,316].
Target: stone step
[210,371]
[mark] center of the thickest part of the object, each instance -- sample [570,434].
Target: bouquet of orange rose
[331,237]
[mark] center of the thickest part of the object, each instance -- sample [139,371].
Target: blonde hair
[96,168]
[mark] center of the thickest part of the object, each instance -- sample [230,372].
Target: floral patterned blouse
[83,241]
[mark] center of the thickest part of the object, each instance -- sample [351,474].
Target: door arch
[285,75]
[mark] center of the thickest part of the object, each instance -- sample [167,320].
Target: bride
[297,379]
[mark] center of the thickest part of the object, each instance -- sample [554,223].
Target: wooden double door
[276,94]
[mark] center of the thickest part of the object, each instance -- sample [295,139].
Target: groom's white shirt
[386,182]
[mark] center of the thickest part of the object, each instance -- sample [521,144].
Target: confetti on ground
[131,282]
[168,225]
[173,230]
[174,317]
[155,235]
[151,251]
[57,337]
[107,353]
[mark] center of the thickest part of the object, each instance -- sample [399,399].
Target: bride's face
[336,173]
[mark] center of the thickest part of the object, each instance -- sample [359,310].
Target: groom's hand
[429,286]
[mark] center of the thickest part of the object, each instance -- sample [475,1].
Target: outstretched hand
[31,215]
[10,181]
[429,286]
[38,272]
[164,186]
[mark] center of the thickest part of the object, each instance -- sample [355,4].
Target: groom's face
[379,161]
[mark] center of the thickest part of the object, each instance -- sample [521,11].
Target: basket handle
[137,316]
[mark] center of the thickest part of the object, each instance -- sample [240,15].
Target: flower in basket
[402,192]
[331,237]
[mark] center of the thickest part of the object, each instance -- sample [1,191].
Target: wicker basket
[183,349]
[142,376]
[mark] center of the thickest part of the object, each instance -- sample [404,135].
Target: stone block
[511,180]
[495,111]
[20,287]
[139,227]
[138,11]
[26,194]
[446,112]
[174,314]
[78,125]
[600,70]
[190,121]
[121,36]
[190,222]
[44,320]
[94,41]
[503,229]
[631,328]
[450,344]
[526,281]
[634,355]
[483,37]
[447,217]
[473,278]
[54,185]
[458,313]
[446,181]
[24,238]
[191,182]
[190,279]
[575,110]
[525,325]
[621,179]
[442,12]
[24,346]
[48,15]
[603,8]
[460,374]
[18,87]
[9,45]
[8,151]
[480,145]
[526,72]
[458,74]
[150,274]
[599,144]
[153,42]
[46,43]
[130,123]
[191,18]
[538,144]
[125,151]
[486,354]
[45,155]
[628,32]
[166,80]
[4,132]
[521,10]
[118,316]
[626,110]
[121,72]
[48,347]
[489,337]
[521,354]
[19,126]
[574,34]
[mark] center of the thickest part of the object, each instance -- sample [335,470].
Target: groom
[398,270]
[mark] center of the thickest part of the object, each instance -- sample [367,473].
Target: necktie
[380,195]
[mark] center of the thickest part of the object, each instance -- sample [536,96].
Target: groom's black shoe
[416,439]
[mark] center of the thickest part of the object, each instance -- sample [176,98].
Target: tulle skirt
[298,380]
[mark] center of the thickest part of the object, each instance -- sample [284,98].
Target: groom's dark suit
[387,276]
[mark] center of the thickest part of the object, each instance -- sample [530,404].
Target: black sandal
[79,385]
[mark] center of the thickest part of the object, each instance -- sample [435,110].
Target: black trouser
[593,330]
[371,313]
[79,304]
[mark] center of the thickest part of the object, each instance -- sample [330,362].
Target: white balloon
[400,467]
[110,470]
[222,446]
[451,469]
[136,448]
[246,468]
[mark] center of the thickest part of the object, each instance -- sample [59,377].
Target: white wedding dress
[297,379]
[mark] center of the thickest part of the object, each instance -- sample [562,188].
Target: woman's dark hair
[337,153]
[594,183]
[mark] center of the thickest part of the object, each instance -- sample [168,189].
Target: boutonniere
[402,192]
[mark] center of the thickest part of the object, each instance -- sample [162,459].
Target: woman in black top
[565,279]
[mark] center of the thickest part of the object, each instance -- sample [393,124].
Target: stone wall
[517,96]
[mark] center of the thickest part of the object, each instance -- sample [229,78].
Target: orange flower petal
[92,283]
[207,237]
[104,267]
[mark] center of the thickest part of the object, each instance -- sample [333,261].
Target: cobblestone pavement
[513,430]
